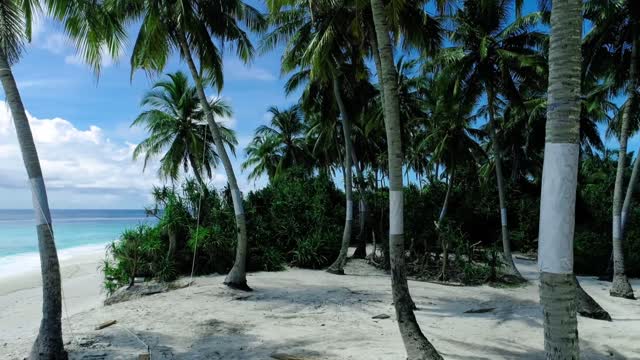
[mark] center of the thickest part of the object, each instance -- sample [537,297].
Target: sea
[76,232]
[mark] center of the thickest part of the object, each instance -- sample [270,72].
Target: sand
[21,298]
[313,315]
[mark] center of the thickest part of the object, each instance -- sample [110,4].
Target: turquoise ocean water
[76,231]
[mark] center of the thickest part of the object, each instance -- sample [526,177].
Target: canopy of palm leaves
[178,132]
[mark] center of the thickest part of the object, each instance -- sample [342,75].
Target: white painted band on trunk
[503,217]
[349,210]
[237,202]
[396,205]
[616,227]
[557,208]
[40,203]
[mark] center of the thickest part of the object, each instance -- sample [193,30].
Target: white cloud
[37,27]
[229,122]
[107,59]
[234,69]
[43,83]
[56,43]
[79,163]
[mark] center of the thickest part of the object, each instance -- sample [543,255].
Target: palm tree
[178,131]
[288,130]
[559,181]
[319,45]
[264,156]
[90,27]
[191,26]
[451,141]
[616,31]
[491,57]
[416,344]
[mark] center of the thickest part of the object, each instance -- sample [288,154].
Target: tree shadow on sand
[509,350]
[216,340]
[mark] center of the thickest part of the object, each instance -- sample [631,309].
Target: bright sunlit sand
[310,314]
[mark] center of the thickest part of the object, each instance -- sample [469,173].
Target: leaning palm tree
[452,141]
[491,56]
[416,344]
[616,34]
[91,28]
[559,181]
[191,27]
[319,39]
[178,131]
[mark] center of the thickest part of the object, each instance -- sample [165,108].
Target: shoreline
[22,271]
[21,293]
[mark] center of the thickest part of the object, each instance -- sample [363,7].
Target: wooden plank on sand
[283,356]
[105,324]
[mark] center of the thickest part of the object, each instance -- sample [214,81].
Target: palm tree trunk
[559,182]
[338,265]
[48,344]
[361,249]
[445,204]
[620,286]
[631,188]
[376,60]
[510,267]
[237,277]
[416,344]
[196,172]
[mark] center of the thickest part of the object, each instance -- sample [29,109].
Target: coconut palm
[451,140]
[492,56]
[191,26]
[263,156]
[91,28]
[288,130]
[416,344]
[178,131]
[319,48]
[559,181]
[616,33]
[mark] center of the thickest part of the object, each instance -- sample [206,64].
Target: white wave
[13,265]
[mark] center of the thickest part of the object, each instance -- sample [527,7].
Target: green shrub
[267,259]
[138,252]
[215,249]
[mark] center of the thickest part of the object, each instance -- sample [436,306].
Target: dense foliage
[296,220]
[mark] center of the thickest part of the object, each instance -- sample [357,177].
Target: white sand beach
[309,314]
[21,296]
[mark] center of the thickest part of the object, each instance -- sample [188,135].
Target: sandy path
[323,316]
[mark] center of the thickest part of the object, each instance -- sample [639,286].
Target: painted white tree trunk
[507,257]
[620,286]
[416,344]
[559,181]
[48,344]
[237,277]
[338,265]
[631,188]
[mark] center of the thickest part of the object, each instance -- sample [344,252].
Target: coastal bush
[296,220]
[299,216]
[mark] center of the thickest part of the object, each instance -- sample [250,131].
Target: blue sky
[81,123]
[81,119]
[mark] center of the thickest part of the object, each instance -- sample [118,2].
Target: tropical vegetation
[464,130]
